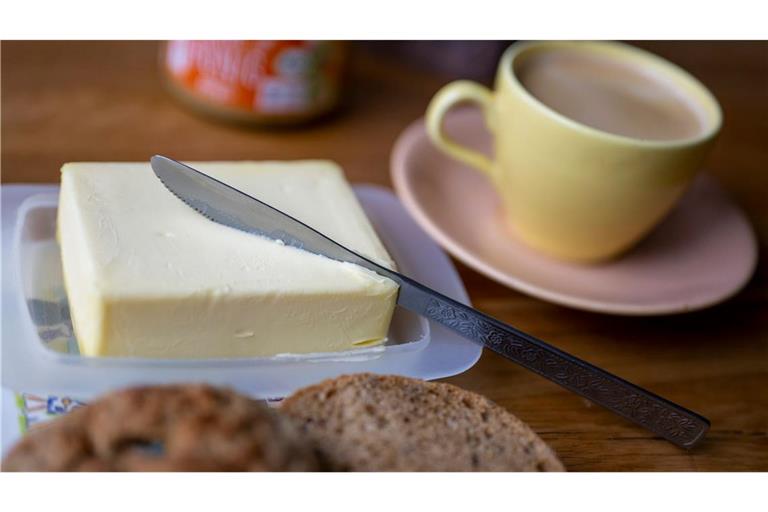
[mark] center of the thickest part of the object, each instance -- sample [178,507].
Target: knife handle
[674,423]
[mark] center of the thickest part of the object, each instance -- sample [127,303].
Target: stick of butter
[146,276]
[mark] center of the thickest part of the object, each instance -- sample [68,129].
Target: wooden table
[104,101]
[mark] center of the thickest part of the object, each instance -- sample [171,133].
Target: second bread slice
[367,422]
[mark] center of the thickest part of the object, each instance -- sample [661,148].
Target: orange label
[270,77]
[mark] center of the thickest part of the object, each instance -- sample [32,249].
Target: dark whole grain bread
[166,428]
[367,422]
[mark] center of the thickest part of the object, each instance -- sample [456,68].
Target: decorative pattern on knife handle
[670,421]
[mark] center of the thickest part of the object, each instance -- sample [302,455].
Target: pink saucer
[702,254]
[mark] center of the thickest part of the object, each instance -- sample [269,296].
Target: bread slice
[191,427]
[367,422]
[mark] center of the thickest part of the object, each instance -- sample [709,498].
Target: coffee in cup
[610,94]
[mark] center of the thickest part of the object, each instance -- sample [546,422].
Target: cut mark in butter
[368,343]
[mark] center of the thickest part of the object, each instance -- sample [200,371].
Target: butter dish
[39,355]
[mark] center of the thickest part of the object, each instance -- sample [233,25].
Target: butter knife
[226,205]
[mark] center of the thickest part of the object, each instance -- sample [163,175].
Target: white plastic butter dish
[39,353]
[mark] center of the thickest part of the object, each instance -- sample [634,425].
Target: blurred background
[65,101]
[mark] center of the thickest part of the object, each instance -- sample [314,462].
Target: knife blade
[231,207]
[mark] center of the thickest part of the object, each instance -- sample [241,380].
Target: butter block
[146,276]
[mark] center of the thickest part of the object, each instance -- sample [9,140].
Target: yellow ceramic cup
[569,190]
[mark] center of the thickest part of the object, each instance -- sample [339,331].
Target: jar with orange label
[262,82]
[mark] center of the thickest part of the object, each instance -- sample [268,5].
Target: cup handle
[445,99]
